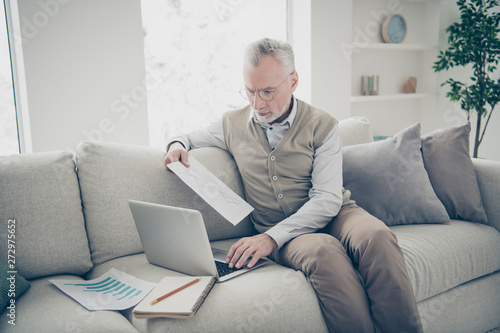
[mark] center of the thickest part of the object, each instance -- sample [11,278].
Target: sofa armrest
[488,178]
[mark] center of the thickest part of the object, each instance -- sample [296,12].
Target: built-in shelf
[393,97]
[395,64]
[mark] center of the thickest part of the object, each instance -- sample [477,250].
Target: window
[8,126]
[194,51]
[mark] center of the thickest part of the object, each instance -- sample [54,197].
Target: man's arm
[213,136]
[325,195]
[324,203]
[178,146]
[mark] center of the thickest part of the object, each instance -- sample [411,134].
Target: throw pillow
[40,192]
[7,292]
[451,172]
[387,178]
[355,130]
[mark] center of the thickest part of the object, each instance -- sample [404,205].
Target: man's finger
[237,255]
[254,260]
[237,250]
[177,155]
[232,250]
[184,158]
[244,257]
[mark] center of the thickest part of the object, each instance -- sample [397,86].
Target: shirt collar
[288,121]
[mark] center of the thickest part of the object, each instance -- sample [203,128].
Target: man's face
[268,75]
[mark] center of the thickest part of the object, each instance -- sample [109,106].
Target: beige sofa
[76,224]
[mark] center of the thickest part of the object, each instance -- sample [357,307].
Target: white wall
[330,69]
[299,35]
[324,71]
[84,72]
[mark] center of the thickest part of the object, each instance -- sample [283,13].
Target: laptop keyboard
[223,268]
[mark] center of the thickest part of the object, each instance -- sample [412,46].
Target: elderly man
[289,156]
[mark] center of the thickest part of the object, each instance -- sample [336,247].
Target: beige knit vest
[276,182]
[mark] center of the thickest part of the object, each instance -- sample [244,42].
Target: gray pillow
[387,178]
[448,163]
[41,193]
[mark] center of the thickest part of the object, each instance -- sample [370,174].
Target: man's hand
[177,152]
[257,246]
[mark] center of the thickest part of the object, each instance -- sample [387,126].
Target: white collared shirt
[275,132]
[325,195]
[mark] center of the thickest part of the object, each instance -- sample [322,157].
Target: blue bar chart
[109,286]
[114,290]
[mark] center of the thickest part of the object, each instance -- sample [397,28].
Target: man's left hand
[256,247]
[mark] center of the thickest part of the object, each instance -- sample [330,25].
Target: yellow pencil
[175,291]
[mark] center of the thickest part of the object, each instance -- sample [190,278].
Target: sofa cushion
[448,163]
[40,192]
[355,130]
[272,298]
[471,307]
[442,256]
[111,174]
[387,178]
[44,308]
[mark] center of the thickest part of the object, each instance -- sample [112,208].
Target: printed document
[230,205]
[114,290]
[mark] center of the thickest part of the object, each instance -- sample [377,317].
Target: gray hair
[281,51]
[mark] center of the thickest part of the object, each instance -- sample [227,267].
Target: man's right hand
[177,152]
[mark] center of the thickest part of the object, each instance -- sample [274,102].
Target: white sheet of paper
[230,205]
[114,290]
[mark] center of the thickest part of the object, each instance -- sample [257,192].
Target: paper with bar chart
[114,290]
[230,205]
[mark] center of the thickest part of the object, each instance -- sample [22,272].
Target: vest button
[280,196]
[273,158]
[275,177]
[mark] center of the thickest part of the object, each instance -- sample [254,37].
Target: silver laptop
[176,238]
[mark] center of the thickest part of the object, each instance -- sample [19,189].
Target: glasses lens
[266,95]
[247,94]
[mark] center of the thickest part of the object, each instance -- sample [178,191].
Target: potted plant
[474,41]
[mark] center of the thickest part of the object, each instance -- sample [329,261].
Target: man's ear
[295,81]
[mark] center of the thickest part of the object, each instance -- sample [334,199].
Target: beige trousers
[381,300]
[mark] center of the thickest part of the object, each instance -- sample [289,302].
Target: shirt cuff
[181,140]
[279,234]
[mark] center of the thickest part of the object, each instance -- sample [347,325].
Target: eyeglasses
[265,94]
